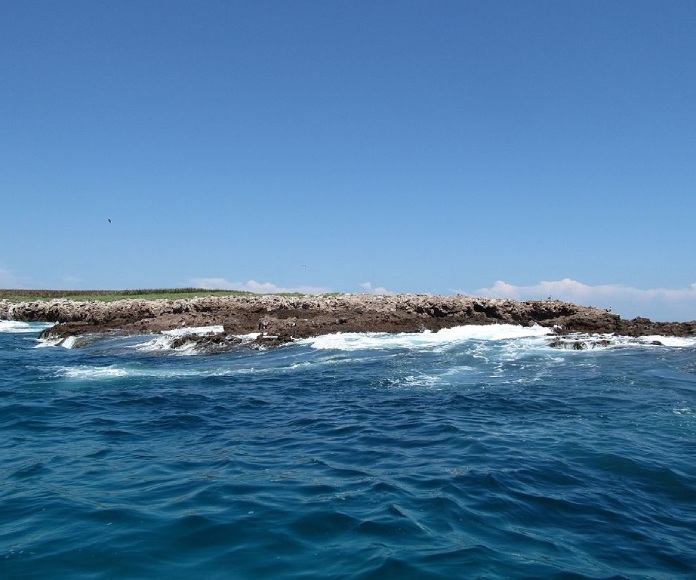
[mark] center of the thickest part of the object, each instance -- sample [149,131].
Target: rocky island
[279,319]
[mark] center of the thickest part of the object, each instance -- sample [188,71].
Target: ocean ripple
[491,457]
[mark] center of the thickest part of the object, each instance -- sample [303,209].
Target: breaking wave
[175,341]
[16,326]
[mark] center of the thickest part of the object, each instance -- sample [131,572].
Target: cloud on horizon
[254,286]
[661,304]
[367,286]
[270,288]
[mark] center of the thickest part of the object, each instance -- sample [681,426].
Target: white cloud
[658,303]
[254,286]
[379,290]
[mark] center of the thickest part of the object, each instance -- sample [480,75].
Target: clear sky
[503,148]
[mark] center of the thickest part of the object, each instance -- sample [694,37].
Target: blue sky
[501,148]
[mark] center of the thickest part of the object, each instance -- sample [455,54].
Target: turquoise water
[361,456]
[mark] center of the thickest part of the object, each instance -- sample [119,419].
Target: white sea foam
[668,340]
[165,340]
[160,342]
[600,341]
[95,373]
[17,326]
[92,372]
[421,380]
[47,342]
[381,340]
[67,342]
[197,330]
[530,337]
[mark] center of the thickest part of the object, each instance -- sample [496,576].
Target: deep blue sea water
[453,455]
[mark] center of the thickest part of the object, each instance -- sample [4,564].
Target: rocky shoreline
[281,319]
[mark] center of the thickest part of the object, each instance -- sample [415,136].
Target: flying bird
[109,220]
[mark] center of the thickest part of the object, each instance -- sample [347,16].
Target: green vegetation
[110,295]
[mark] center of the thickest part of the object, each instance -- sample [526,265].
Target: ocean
[477,452]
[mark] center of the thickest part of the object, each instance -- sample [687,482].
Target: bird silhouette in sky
[109,220]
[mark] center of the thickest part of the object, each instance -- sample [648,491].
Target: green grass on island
[111,295]
[16,295]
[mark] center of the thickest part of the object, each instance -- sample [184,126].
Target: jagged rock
[208,343]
